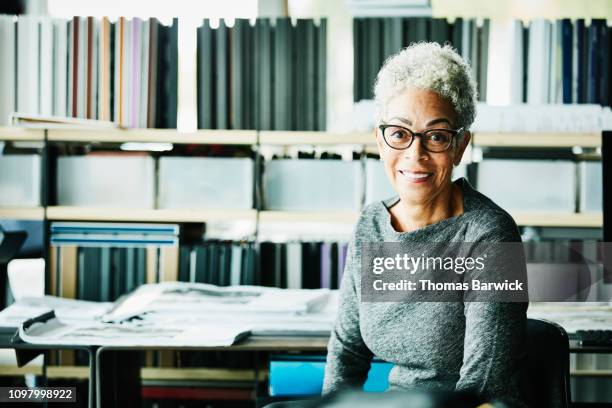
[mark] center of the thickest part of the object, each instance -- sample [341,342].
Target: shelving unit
[270,138]
[22,213]
[287,138]
[226,137]
[283,138]
[16,134]
[576,220]
[68,213]
[536,140]
[146,373]
[308,216]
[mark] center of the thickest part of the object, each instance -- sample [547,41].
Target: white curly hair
[428,65]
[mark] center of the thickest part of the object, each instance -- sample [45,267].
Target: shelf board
[309,216]
[200,374]
[18,134]
[52,371]
[591,373]
[282,138]
[522,9]
[68,213]
[586,220]
[289,138]
[551,140]
[234,137]
[22,213]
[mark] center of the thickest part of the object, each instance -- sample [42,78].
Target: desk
[126,370]
[26,352]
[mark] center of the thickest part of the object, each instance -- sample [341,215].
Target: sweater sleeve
[494,354]
[494,351]
[348,358]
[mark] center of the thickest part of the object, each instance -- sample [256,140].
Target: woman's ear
[379,141]
[467,136]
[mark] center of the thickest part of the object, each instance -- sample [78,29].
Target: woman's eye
[398,134]
[438,138]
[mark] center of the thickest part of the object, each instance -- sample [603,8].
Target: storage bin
[529,185]
[20,180]
[377,184]
[311,184]
[106,181]
[206,182]
[591,187]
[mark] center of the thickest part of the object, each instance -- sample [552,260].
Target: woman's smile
[415,176]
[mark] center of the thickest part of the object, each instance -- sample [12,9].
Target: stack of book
[267,76]
[375,39]
[293,265]
[123,71]
[567,62]
[561,61]
[102,261]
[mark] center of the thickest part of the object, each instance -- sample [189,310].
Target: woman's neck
[410,216]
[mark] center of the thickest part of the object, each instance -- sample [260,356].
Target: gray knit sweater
[439,346]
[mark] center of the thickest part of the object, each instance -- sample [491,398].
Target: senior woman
[426,104]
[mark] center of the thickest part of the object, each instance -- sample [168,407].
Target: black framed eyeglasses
[432,140]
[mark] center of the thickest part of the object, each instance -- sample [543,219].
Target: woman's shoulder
[373,218]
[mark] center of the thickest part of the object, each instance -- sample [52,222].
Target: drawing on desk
[54,331]
[160,315]
[198,297]
[65,309]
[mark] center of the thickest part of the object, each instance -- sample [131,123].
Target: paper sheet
[55,331]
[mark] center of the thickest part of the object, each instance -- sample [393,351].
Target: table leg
[118,378]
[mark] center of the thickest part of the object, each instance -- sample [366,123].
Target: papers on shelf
[200,297]
[58,122]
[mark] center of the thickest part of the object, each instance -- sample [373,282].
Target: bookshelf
[288,138]
[522,9]
[283,138]
[536,140]
[69,213]
[226,137]
[193,374]
[200,374]
[146,373]
[308,216]
[21,134]
[364,141]
[361,140]
[577,220]
[22,213]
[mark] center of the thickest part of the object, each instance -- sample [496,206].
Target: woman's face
[417,175]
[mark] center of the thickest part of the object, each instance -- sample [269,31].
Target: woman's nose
[415,151]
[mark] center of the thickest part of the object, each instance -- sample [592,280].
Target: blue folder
[303,375]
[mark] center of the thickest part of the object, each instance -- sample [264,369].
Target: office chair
[548,365]
[10,244]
